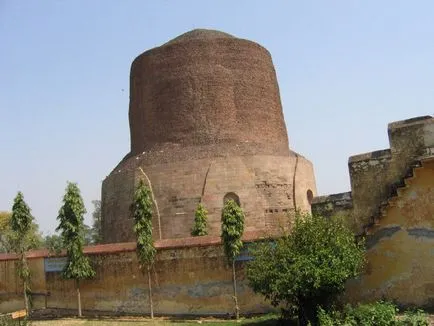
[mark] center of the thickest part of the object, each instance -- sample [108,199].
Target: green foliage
[21,223]
[415,318]
[87,235]
[200,221]
[71,227]
[5,232]
[53,243]
[96,234]
[142,214]
[372,314]
[23,271]
[308,267]
[6,320]
[334,318]
[92,234]
[21,219]
[8,239]
[232,229]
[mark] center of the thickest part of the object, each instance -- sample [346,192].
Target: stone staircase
[395,192]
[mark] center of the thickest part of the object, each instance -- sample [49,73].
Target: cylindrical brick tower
[206,122]
[206,88]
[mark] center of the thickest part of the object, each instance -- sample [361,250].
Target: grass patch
[265,320]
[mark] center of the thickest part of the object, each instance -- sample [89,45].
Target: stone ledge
[427,119]
[380,154]
[340,199]
[163,244]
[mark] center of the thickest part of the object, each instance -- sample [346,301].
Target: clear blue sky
[345,68]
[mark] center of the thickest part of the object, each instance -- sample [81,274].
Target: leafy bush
[373,314]
[335,318]
[415,318]
[6,320]
[200,221]
[308,267]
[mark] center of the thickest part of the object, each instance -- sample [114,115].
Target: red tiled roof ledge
[30,254]
[109,248]
[89,250]
[203,241]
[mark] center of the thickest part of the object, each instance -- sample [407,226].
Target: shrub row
[374,314]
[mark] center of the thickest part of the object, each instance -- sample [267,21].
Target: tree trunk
[26,298]
[77,282]
[307,313]
[151,304]
[234,281]
[302,320]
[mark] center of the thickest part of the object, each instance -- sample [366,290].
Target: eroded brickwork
[206,89]
[392,204]
[264,184]
[186,280]
[400,246]
[206,120]
[375,176]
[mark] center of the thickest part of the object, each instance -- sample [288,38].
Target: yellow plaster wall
[400,256]
[11,288]
[190,280]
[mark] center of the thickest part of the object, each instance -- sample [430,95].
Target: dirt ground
[133,321]
[130,321]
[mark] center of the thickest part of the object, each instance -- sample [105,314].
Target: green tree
[71,229]
[200,221]
[142,213]
[232,231]
[92,234]
[53,243]
[88,235]
[5,232]
[307,268]
[96,232]
[21,225]
[34,237]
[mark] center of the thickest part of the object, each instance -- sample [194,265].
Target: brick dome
[202,34]
[206,124]
[206,88]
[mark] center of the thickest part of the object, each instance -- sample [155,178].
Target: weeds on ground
[415,318]
[373,314]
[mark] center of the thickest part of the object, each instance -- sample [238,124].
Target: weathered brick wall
[191,275]
[116,196]
[206,120]
[265,185]
[192,279]
[188,281]
[304,185]
[371,177]
[11,287]
[400,256]
[206,88]
[332,205]
[374,175]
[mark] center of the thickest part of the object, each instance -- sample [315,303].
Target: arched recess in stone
[233,196]
[309,195]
